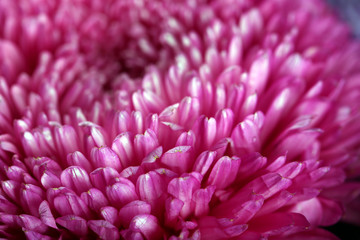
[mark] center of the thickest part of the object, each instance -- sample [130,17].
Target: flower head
[219,119]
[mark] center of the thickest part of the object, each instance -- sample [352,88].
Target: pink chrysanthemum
[163,119]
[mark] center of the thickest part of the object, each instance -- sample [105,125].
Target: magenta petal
[152,189]
[110,214]
[259,73]
[104,229]
[66,140]
[95,199]
[12,189]
[250,165]
[148,225]
[173,207]
[75,178]
[31,196]
[178,159]
[12,221]
[123,147]
[204,161]
[105,157]
[70,204]
[32,235]
[224,121]
[102,177]
[225,166]
[186,139]
[152,160]
[12,60]
[131,235]
[245,135]
[120,194]
[50,180]
[291,170]
[269,184]
[213,228]
[32,223]
[205,130]
[7,206]
[277,223]
[183,189]
[15,173]
[75,224]
[46,216]
[131,210]
[332,212]
[145,143]
[78,159]
[275,202]
[296,143]
[202,198]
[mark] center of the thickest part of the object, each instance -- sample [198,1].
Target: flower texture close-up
[177,119]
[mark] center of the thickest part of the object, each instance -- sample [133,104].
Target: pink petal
[46,215]
[152,189]
[132,209]
[75,224]
[120,194]
[7,206]
[78,159]
[225,166]
[32,223]
[104,229]
[31,196]
[105,157]
[95,199]
[202,198]
[275,202]
[145,143]
[204,161]
[70,204]
[186,139]
[123,147]
[148,225]
[152,161]
[213,228]
[259,73]
[183,189]
[279,223]
[178,159]
[110,214]
[75,178]
[103,177]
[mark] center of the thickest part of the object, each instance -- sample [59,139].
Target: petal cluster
[209,119]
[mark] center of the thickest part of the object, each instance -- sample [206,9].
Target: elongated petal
[224,166]
[131,210]
[95,199]
[104,229]
[148,225]
[46,215]
[178,159]
[105,157]
[75,224]
[120,194]
[75,178]
[102,177]
[78,159]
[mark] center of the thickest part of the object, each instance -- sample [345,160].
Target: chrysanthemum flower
[162,119]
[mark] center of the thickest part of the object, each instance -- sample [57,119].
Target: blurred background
[348,10]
